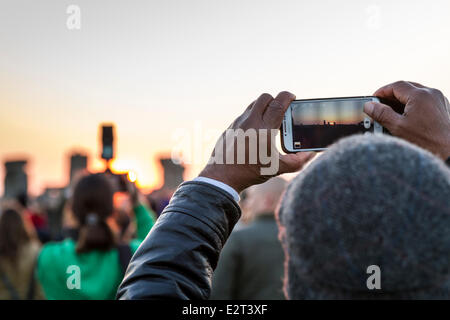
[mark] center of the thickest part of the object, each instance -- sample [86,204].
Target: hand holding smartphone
[314,124]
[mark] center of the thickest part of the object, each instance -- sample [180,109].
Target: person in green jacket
[89,268]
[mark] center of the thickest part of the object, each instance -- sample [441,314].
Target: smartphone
[314,124]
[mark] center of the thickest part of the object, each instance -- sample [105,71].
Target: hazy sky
[169,70]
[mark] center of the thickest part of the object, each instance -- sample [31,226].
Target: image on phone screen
[316,124]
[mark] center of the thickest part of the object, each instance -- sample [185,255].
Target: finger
[295,161]
[418,85]
[384,115]
[250,106]
[401,91]
[243,115]
[273,115]
[447,105]
[248,109]
[261,104]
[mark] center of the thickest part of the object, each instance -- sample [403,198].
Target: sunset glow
[161,66]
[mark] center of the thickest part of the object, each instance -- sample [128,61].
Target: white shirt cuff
[220,185]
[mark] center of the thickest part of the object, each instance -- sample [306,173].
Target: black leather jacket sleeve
[178,256]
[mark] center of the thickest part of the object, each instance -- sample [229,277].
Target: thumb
[383,114]
[293,162]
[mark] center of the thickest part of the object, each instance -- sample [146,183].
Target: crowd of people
[376,200]
[89,259]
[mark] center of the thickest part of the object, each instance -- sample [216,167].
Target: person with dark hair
[92,266]
[18,255]
[92,205]
[366,203]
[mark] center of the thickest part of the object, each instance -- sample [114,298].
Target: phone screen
[316,124]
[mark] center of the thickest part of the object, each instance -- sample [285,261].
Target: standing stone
[16,181]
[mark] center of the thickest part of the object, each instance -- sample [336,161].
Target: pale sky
[169,70]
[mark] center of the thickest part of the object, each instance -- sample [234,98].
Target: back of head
[367,201]
[13,234]
[92,204]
